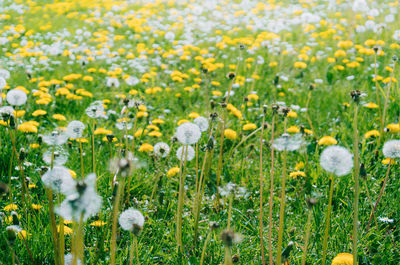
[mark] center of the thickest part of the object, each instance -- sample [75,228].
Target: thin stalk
[261,191]
[230,211]
[203,252]
[356,184]
[377,87]
[93,149]
[134,248]
[307,237]
[81,153]
[385,104]
[180,200]
[228,256]
[379,197]
[271,193]
[114,221]
[327,223]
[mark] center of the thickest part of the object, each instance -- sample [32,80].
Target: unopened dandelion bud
[223,105]
[363,171]
[81,187]
[22,154]
[227,237]
[40,140]
[355,95]
[235,258]
[214,225]
[287,250]
[302,129]
[245,99]
[285,111]
[11,233]
[15,219]
[276,80]
[275,108]
[212,104]
[265,108]
[214,116]
[311,202]
[311,87]
[12,122]
[231,75]
[204,70]
[241,46]
[174,139]
[3,188]
[126,102]
[376,49]
[210,143]
[394,58]
[110,137]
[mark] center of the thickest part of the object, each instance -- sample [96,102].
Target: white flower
[188,153]
[385,220]
[188,133]
[288,143]
[161,149]
[84,201]
[112,82]
[391,149]
[16,97]
[202,123]
[337,160]
[95,110]
[75,129]
[131,220]
[59,180]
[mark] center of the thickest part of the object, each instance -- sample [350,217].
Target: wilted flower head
[229,238]
[185,152]
[95,110]
[337,160]
[16,97]
[161,149]
[131,220]
[59,157]
[188,133]
[55,138]
[59,180]
[391,149]
[202,123]
[288,143]
[83,201]
[75,129]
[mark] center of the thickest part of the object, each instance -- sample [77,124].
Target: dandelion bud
[40,140]
[81,187]
[235,258]
[12,122]
[355,95]
[210,144]
[363,171]
[126,101]
[228,237]
[245,99]
[214,116]
[275,108]
[311,202]
[212,104]
[110,137]
[15,219]
[265,108]
[302,129]
[285,111]
[174,139]
[394,58]
[276,80]
[22,154]
[311,87]
[376,49]
[205,70]
[12,232]
[214,225]
[287,250]
[241,46]
[231,75]
[223,105]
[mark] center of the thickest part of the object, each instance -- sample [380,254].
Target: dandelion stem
[93,149]
[134,248]
[328,219]
[228,256]
[180,199]
[379,197]
[356,184]
[203,252]
[230,211]
[307,237]
[114,221]
[385,105]
[81,153]
[261,191]
[271,193]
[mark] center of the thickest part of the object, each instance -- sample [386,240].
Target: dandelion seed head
[59,180]
[188,133]
[55,138]
[161,149]
[75,129]
[337,160]
[95,110]
[131,220]
[16,97]
[288,143]
[202,123]
[185,152]
[59,157]
[391,149]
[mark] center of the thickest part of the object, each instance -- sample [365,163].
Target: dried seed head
[214,225]
[231,75]
[311,202]
[311,87]
[356,95]
[235,258]
[227,237]
[275,108]
[285,111]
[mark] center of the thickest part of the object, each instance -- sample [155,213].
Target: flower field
[199,132]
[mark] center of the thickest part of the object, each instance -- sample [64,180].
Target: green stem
[327,223]
[356,184]
[307,237]
[282,211]
[205,247]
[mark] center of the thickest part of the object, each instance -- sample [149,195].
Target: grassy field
[115,88]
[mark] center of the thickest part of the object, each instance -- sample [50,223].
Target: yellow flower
[34,146]
[36,206]
[194,115]
[146,148]
[155,134]
[388,160]
[67,230]
[10,207]
[72,173]
[39,112]
[371,105]
[82,140]
[98,223]
[27,127]
[100,131]
[299,166]
[23,234]
[249,127]
[293,129]
[393,128]
[369,134]
[173,172]
[158,121]
[230,134]
[300,65]
[292,114]
[59,117]
[296,174]
[327,140]
[19,113]
[182,121]
[343,259]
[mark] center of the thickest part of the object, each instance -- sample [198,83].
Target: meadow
[199,132]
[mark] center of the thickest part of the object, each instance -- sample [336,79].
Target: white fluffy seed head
[288,143]
[202,123]
[391,149]
[161,149]
[188,133]
[59,180]
[131,220]
[16,97]
[337,160]
[185,152]
[75,129]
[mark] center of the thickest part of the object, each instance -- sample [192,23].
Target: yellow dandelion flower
[327,140]
[59,117]
[194,115]
[393,128]
[371,105]
[249,127]
[230,134]
[10,207]
[27,127]
[67,230]
[39,112]
[102,131]
[98,223]
[36,206]
[343,259]
[158,121]
[293,129]
[23,234]
[173,172]
[146,148]
[372,133]
[292,114]
[296,174]
[182,121]
[388,160]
